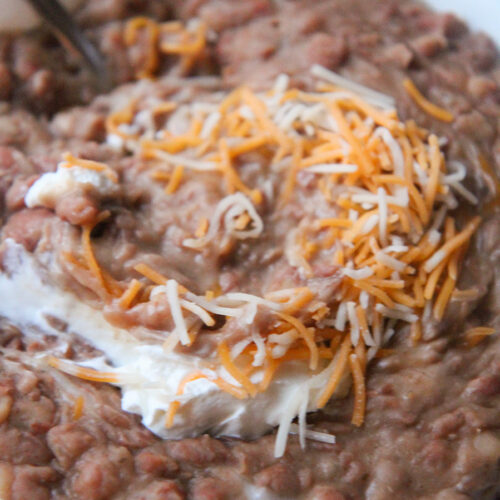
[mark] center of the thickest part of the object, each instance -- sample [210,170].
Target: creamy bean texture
[271,248]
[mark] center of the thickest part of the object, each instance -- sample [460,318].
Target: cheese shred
[359,390]
[429,107]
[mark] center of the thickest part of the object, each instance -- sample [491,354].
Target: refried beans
[265,265]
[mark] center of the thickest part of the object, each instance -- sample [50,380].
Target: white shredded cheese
[389,261]
[401,201]
[394,148]
[434,261]
[191,163]
[285,338]
[281,83]
[373,96]
[211,306]
[358,274]
[396,248]
[397,314]
[370,224]
[239,347]
[209,124]
[229,208]
[332,168]
[199,311]
[341,317]
[172,291]
[248,297]
[353,320]
[260,355]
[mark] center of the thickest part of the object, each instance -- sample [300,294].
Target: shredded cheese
[339,364]
[92,263]
[130,294]
[166,39]
[229,210]
[78,407]
[322,437]
[202,228]
[71,161]
[82,372]
[425,104]
[475,335]
[172,291]
[383,224]
[451,245]
[174,180]
[174,405]
[359,390]
[306,335]
[150,273]
[233,370]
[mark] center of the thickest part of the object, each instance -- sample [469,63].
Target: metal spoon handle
[63,25]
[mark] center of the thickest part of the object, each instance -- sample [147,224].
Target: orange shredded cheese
[237,392]
[175,180]
[164,108]
[292,173]
[115,287]
[475,335]
[242,221]
[131,34]
[92,263]
[73,260]
[416,332]
[337,373]
[123,116]
[306,335]
[358,377]
[159,175]
[360,351]
[174,405]
[82,372]
[469,294]
[202,228]
[78,407]
[233,370]
[432,281]
[363,325]
[443,298]
[363,158]
[130,294]
[376,292]
[171,39]
[455,242]
[396,284]
[335,222]
[172,410]
[270,369]
[150,273]
[432,187]
[232,179]
[429,107]
[90,165]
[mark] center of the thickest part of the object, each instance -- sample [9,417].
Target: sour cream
[51,186]
[149,376]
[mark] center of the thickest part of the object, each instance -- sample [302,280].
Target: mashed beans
[431,407]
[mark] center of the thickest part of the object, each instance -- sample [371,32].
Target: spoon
[62,24]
